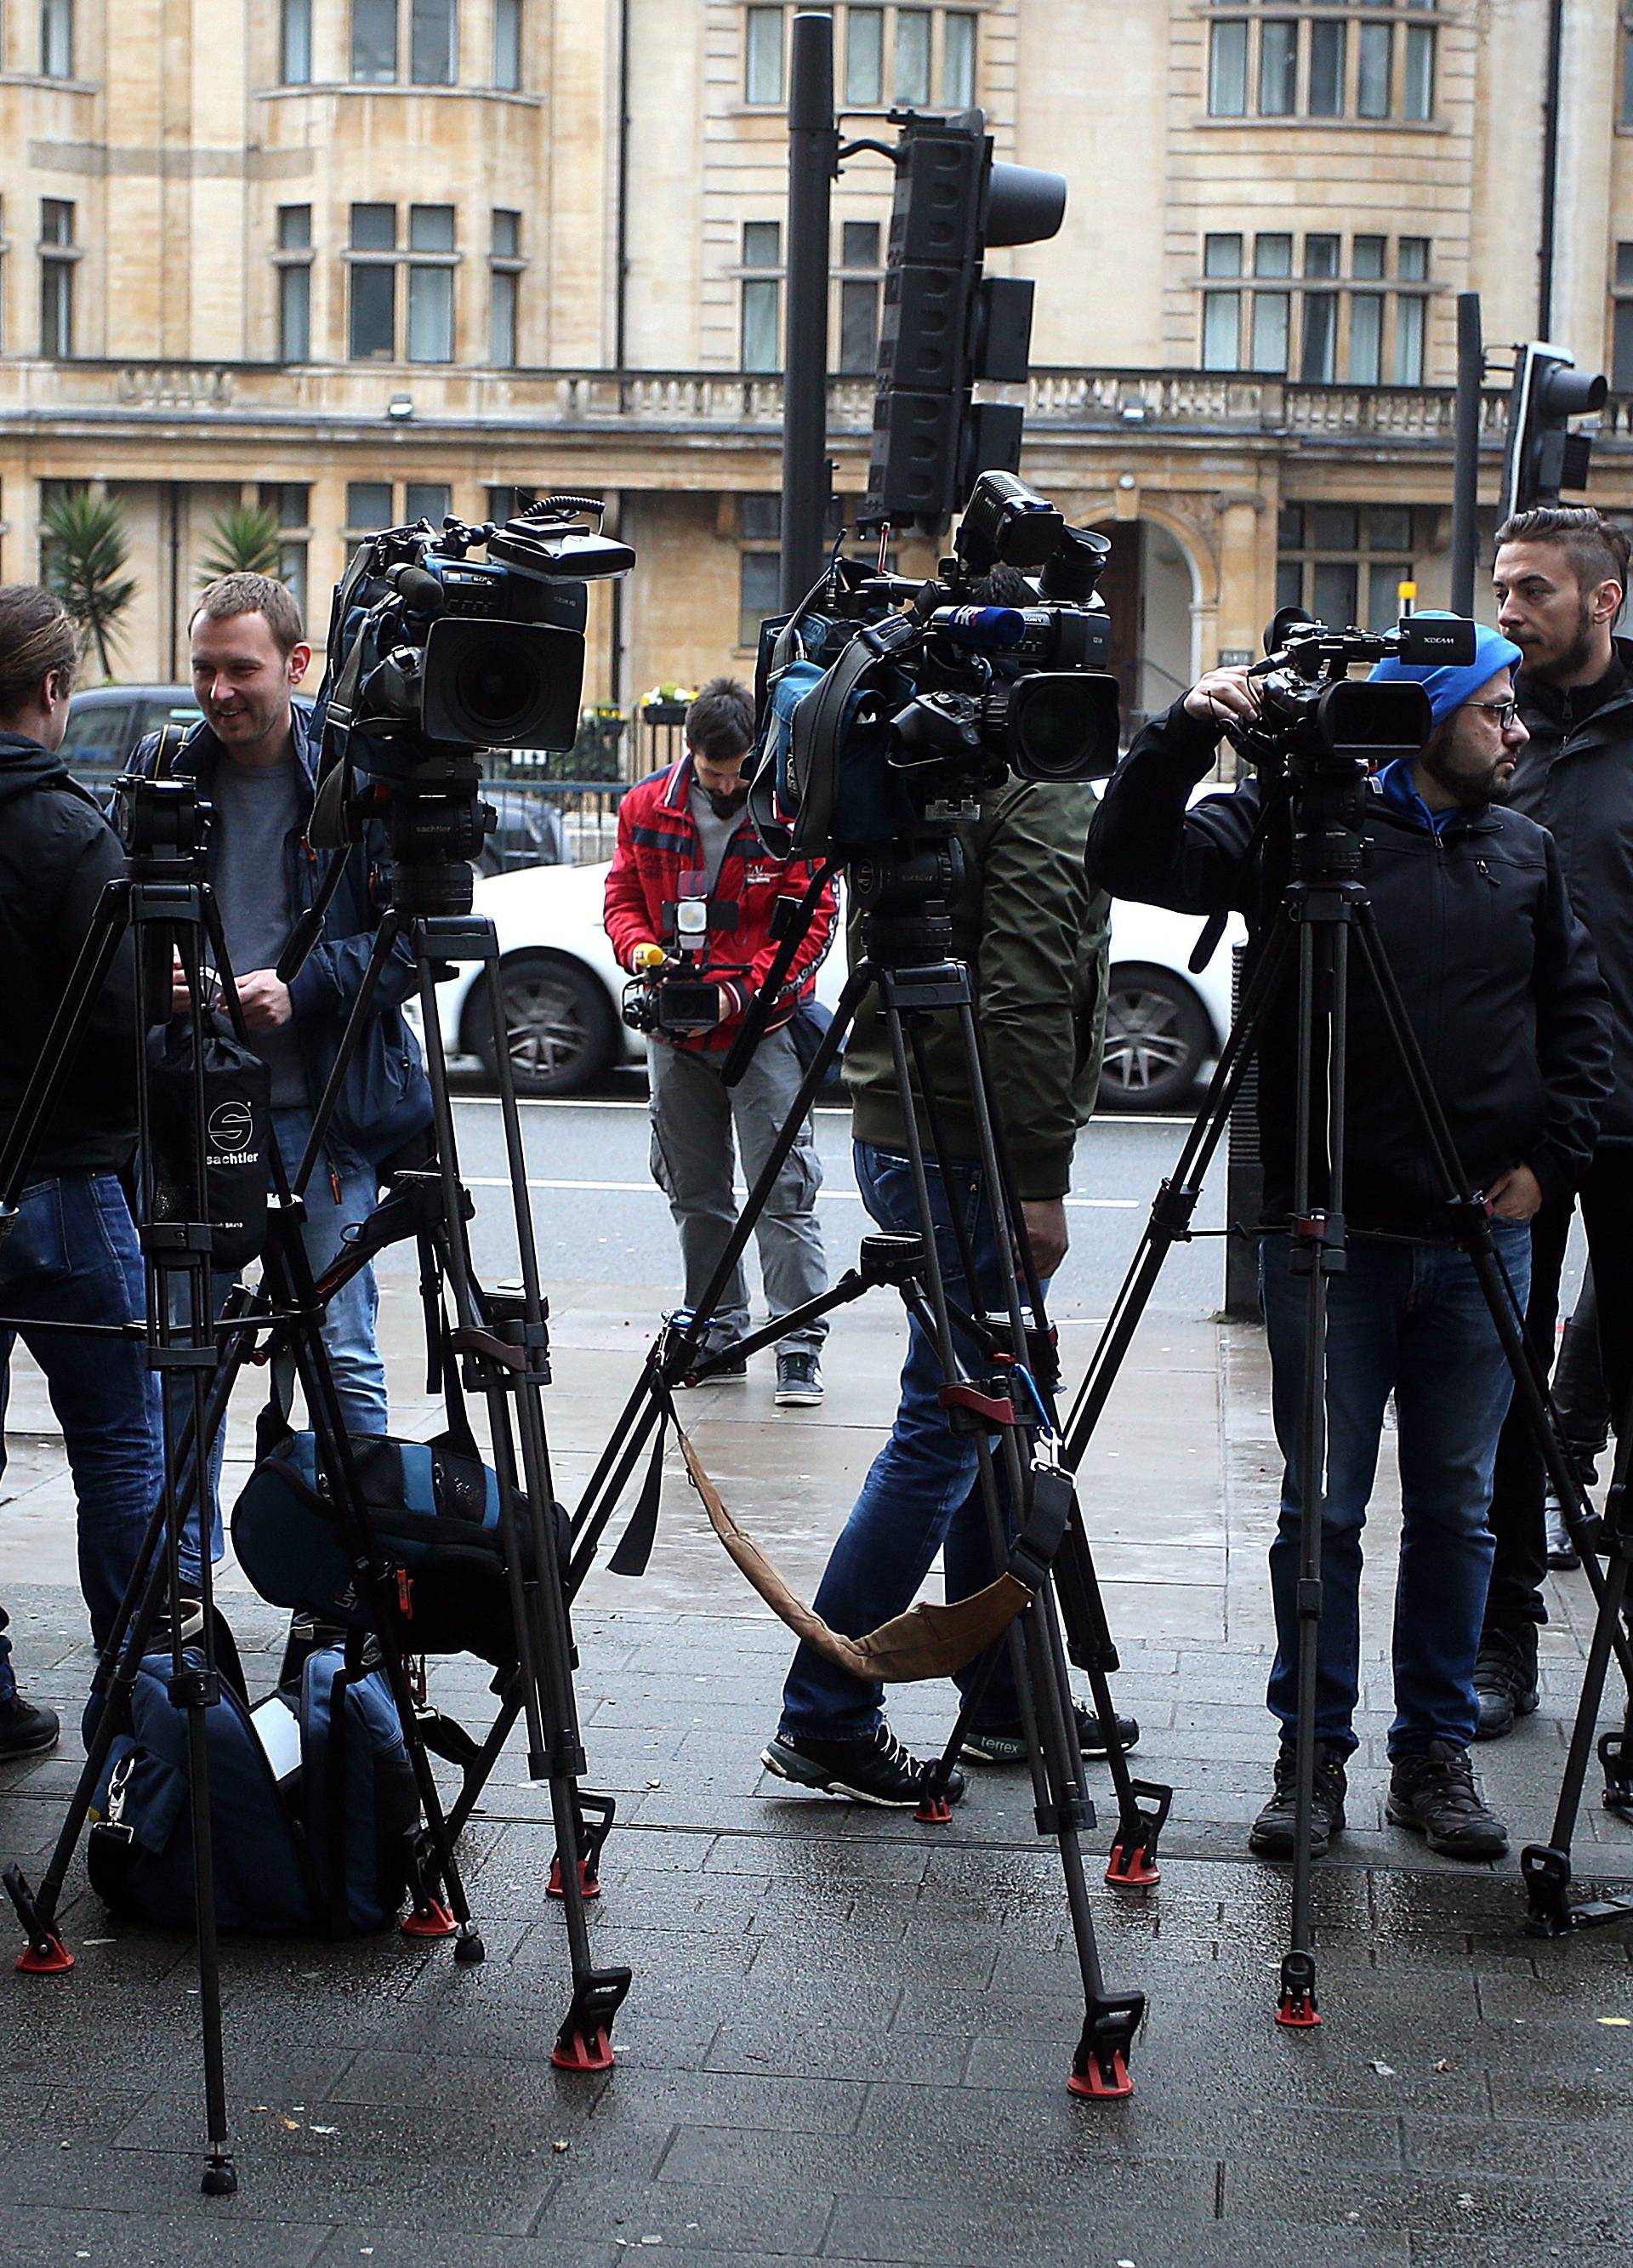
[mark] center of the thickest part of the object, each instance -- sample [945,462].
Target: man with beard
[1560,578]
[686,855]
[1498,983]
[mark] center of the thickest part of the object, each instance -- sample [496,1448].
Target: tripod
[1326,908]
[999,1373]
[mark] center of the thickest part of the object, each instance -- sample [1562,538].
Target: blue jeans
[921,1494]
[341,1193]
[1409,1318]
[73,1257]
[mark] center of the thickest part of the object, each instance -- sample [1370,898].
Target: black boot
[1506,1680]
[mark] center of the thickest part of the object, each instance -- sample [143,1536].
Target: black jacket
[1498,976]
[1576,779]
[57,853]
[385,1101]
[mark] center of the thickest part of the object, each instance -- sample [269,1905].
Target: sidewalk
[849,2035]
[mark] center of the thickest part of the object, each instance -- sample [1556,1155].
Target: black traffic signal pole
[1471,370]
[813,162]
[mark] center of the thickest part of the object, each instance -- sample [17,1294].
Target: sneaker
[798,1381]
[1271,1834]
[24,1730]
[1562,1552]
[991,1745]
[1434,1793]
[729,1371]
[1505,1680]
[873,1769]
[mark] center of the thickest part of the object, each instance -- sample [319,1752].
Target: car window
[100,729]
[157,714]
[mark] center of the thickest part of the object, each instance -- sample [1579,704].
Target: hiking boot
[1004,1745]
[1271,1835]
[873,1769]
[24,1730]
[1505,1680]
[1562,1552]
[798,1381]
[1434,1793]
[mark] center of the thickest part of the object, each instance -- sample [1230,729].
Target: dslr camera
[435,656]
[1316,721]
[881,695]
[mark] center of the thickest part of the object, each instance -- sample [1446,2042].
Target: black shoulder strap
[172,740]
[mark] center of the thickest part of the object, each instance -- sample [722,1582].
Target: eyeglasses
[1502,713]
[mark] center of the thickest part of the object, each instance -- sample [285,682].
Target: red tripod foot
[1131,1867]
[1297,2009]
[588,2051]
[1104,2081]
[433,1920]
[51,1959]
[589,1881]
[935,1811]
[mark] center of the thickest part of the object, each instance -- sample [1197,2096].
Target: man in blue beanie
[1501,988]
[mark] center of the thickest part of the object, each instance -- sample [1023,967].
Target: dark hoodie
[56,853]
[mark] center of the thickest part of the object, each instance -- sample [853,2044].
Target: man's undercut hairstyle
[255,594]
[37,635]
[1596,548]
[720,722]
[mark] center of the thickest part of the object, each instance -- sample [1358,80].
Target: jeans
[693,1118]
[1409,1318]
[72,1256]
[921,1495]
[343,1192]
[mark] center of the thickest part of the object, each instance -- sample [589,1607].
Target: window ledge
[389,86]
[1205,120]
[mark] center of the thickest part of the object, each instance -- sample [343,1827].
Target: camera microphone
[419,590]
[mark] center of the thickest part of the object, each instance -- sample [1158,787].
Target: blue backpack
[328,1850]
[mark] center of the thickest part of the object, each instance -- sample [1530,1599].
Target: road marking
[824,1109]
[651,1189]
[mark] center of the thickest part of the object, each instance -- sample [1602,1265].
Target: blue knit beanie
[1449,688]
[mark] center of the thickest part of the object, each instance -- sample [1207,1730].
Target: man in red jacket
[689,877]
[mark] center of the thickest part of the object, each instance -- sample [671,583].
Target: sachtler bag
[238,1128]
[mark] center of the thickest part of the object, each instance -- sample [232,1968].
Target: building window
[860,278]
[507,44]
[505,503]
[56,38]
[295,43]
[882,55]
[762,295]
[1345,562]
[427,500]
[1622,321]
[958,59]
[504,284]
[294,261]
[372,330]
[758,576]
[912,55]
[434,42]
[374,39]
[1313,314]
[1295,58]
[430,284]
[762,75]
[368,507]
[289,503]
[57,255]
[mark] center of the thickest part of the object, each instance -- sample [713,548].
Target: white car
[561,989]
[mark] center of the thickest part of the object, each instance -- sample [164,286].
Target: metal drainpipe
[621,255]
[1550,170]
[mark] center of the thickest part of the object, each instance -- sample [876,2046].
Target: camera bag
[327,1849]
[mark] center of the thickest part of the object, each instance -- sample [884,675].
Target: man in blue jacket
[255,765]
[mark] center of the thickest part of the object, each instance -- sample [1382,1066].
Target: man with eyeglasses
[1559,577]
[1499,985]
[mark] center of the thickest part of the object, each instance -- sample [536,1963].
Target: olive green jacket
[1033,933]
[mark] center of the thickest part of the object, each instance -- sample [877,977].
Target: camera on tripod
[1316,720]
[435,656]
[882,694]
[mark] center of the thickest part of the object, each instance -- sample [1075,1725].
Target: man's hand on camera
[179,993]
[264,1000]
[1515,1195]
[1225,696]
[1045,1219]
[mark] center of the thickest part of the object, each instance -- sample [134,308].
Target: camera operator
[71,1253]
[1559,577]
[255,759]
[1500,987]
[1034,932]
[684,838]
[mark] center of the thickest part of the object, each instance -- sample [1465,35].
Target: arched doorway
[1150,588]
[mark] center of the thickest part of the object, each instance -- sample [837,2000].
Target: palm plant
[245,540]
[86,546]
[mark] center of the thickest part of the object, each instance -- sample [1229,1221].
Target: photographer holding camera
[1500,986]
[690,896]
[70,1254]
[255,762]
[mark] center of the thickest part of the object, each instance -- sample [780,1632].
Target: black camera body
[1316,720]
[677,1004]
[881,695]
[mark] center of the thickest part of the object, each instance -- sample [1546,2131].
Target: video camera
[882,694]
[1316,720]
[435,656]
[669,992]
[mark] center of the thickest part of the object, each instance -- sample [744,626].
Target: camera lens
[496,686]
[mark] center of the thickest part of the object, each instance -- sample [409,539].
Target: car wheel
[1157,1039]
[558,1025]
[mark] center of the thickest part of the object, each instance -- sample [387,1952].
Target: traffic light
[1540,455]
[944,324]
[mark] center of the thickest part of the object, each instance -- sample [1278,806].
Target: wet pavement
[849,2035]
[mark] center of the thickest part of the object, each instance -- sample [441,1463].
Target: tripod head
[164,825]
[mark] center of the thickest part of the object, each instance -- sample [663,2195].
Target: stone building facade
[363,259]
